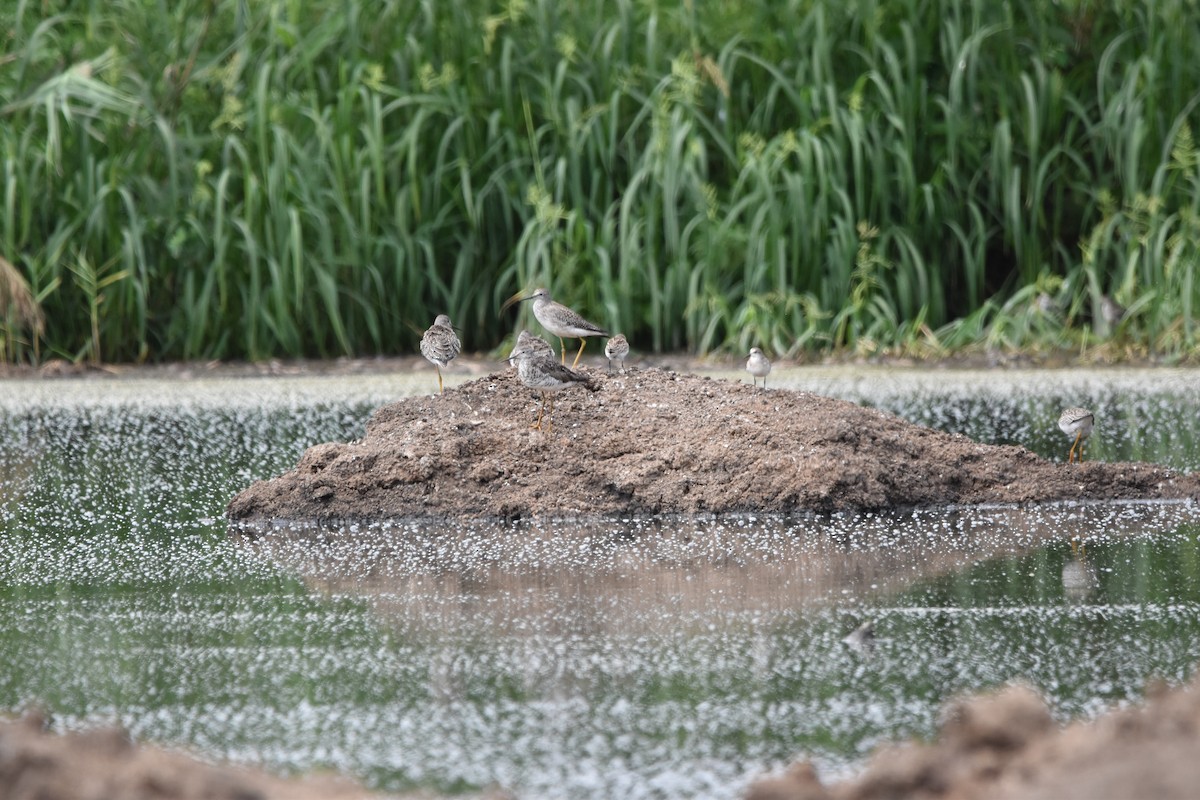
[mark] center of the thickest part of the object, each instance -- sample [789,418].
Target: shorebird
[758,366]
[1077,422]
[616,348]
[538,371]
[561,321]
[534,344]
[440,345]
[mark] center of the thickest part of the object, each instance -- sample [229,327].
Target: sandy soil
[655,441]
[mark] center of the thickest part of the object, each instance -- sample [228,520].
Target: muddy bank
[1005,746]
[653,441]
[105,763]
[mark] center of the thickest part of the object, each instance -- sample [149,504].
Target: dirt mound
[104,763]
[654,441]
[1004,746]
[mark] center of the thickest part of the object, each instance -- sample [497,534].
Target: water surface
[646,658]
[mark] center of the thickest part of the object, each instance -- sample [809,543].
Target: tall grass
[215,179]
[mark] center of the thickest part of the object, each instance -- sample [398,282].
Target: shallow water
[652,658]
[1142,414]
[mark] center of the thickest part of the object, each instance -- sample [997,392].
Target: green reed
[211,179]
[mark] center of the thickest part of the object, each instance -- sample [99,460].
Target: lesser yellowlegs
[540,372]
[534,344]
[616,349]
[1077,422]
[440,345]
[758,366]
[563,322]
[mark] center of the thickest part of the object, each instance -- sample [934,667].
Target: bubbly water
[642,658]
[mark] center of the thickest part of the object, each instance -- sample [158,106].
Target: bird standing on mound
[539,372]
[440,346]
[616,349]
[563,322]
[1077,422]
[758,366]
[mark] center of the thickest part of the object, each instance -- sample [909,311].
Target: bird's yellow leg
[441,388]
[1074,444]
[562,351]
[582,342]
[538,425]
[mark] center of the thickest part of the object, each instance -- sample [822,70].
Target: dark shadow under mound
[652,441]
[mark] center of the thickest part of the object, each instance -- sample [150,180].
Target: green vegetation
[219,179]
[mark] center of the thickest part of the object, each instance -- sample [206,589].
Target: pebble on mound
[659,442]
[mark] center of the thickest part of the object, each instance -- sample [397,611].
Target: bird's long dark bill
[512,301]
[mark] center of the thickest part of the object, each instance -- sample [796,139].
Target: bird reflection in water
[1079,576]
[862,639]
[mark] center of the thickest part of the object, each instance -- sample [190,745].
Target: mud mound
[653,441]
[1004,746]
[104,763]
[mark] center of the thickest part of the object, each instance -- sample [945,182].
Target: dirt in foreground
[1002,746]
[1005,746]
[654,441]
[104,764]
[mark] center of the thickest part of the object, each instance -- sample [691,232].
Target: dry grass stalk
[17,302]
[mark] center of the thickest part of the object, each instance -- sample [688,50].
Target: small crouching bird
[616,349]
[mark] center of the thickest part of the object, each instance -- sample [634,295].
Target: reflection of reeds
[19,309]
